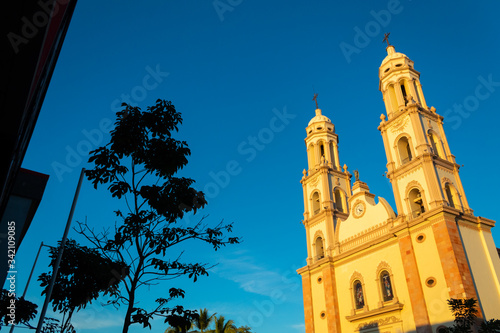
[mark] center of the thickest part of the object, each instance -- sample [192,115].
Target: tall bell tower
[420,165]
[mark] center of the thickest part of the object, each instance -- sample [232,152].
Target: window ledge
[384,309]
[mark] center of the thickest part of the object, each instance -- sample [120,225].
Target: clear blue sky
[229,71]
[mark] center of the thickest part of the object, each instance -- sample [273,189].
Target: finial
[315,98]
[386,38]
[356,175]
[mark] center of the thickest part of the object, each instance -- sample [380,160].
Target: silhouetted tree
[83,275]
[490,326]
[15,310]
[465,313]
[139,165]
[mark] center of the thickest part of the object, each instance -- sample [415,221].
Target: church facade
[370,269]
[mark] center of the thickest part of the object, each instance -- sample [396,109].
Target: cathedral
[371,269]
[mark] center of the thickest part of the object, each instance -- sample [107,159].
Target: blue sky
[240,70]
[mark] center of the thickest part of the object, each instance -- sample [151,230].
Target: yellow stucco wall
[374,215]
[483,270]
[366,263]
[429,266]
[319,305]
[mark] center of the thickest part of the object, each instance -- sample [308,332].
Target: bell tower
[420,166]
[326,187]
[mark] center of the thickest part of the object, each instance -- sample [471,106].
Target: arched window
[338,200]
[386,286]
[436,145]
[393,99]
[310,156]
[403,91]
[416,91]
[359,297]
[449,195]
[321,150]
[416,202]
[404,150]
[332,154]
[315,203]
[320,253]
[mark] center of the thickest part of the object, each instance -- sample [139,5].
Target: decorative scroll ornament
[378,323]
[400,124]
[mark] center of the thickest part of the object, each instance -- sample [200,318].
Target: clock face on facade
[359,209]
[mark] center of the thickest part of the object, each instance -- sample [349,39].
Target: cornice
[326,215]
[324,168]
[445,164]
[379,311]
[316,266]
[406,169]
[407,110]
[371,246]
[321,133]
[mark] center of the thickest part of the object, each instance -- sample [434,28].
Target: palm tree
[223,326]
[204,320]
[177,329]
[244,329]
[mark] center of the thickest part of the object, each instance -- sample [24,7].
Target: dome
[319,118]
[392,54]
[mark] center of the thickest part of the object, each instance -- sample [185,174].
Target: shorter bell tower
[326,186]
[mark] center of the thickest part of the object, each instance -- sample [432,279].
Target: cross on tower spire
[386,38]
[315,98]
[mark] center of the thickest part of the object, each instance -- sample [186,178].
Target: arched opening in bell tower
[452,196]
[437,147]
[419,101]
[320,252]
[332,154]
[416,202]
[403,91]
[449,195]
[315,203]
[392,98]
[339,199]
[404,150]
[310,156]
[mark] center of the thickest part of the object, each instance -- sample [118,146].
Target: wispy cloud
[241,268]
[97,318]
[299,327]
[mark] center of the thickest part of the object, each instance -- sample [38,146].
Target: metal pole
[32,269]
[59,255]
[29,278]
